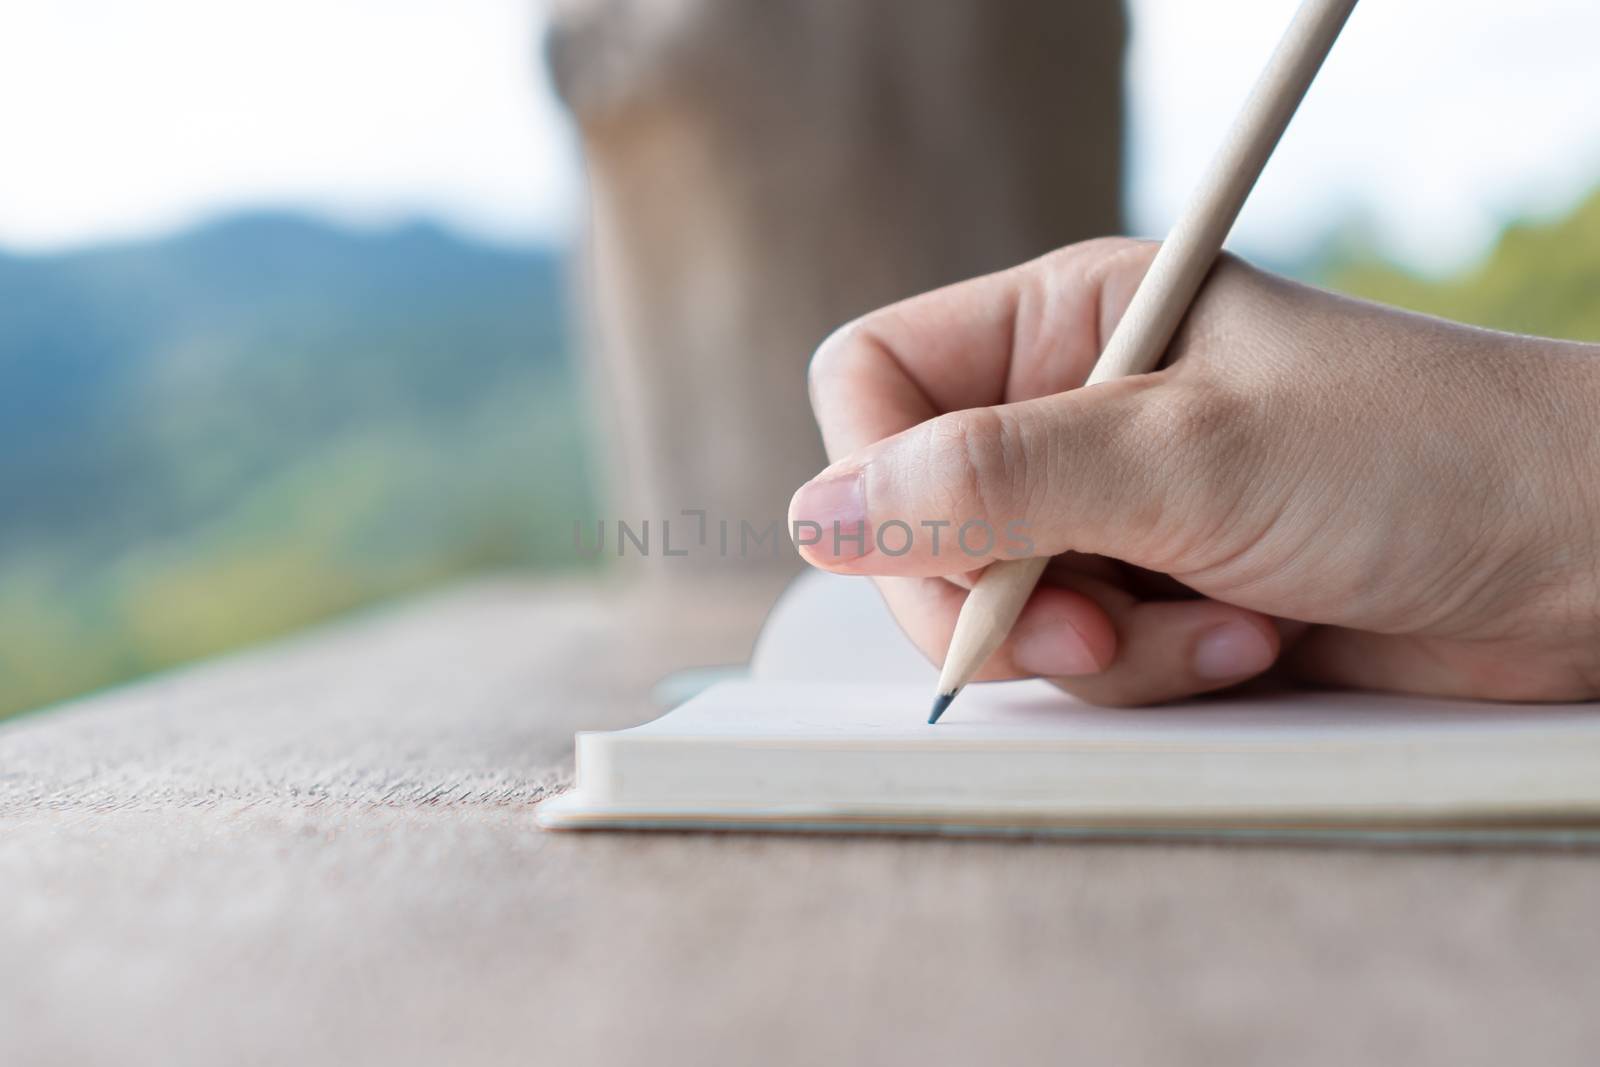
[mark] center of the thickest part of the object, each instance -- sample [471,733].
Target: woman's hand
[1349,494]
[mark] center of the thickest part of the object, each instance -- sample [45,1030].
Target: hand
[1339,492]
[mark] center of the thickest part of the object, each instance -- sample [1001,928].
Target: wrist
[1570,445]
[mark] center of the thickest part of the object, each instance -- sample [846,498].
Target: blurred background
[310,304]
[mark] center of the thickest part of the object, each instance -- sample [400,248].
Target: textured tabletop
[321,852]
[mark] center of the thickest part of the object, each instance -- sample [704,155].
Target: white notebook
[828,733]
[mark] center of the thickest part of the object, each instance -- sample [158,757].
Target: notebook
[827,733]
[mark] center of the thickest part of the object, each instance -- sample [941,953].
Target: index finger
[1021,333]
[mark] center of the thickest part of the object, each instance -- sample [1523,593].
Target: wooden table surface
[322,852]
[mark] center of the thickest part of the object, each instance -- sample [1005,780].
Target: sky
[121,119]
[1432,123]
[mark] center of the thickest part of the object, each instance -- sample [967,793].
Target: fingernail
[835,506]
[1054,651]
[1231,650]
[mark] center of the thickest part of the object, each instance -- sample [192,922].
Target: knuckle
[1108,256]
[1201,429]
[1095,253]
[824,360]
[973,454]
[1228,264]
[836,354]
[1201,440]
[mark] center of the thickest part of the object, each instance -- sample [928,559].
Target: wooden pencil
[1162,299]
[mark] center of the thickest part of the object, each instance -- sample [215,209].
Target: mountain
[215,437]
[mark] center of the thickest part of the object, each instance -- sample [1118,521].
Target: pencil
[1161,301]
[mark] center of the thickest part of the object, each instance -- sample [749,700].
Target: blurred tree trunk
[761,171]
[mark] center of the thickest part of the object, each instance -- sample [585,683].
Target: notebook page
[846,713]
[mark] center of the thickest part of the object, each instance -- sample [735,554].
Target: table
[321,852]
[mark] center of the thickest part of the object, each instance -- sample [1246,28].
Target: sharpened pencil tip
[940,702]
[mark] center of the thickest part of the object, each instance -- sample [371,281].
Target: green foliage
[218,438]
[1541,278]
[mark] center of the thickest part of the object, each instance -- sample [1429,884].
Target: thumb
[1134,469]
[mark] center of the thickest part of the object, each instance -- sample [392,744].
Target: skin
[1311,487]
